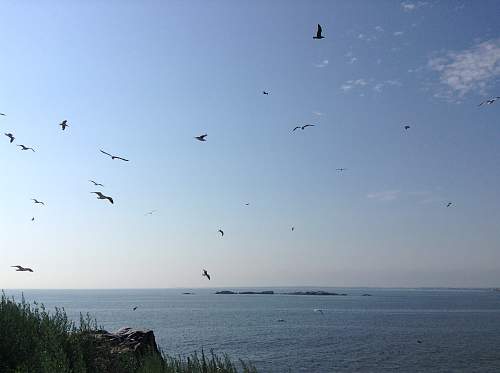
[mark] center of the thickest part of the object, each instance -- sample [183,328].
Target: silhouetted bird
[37,202]
[96,184]
[265,93]
[26,148]
[419,341]
[150,212]
[102,196]
[33,218]
[341,169]
[3,114]
[133,309]
[64,124]
[113,156]
[448,204]
[247,204]
[490,101]
[293,228]
[407,127]
[201,138]
[318,33]
[205,273]
[11,137]
[320,311]
[221,232]
[307,125]
[22,269]
[296,128]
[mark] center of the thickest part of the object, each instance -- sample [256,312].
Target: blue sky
[141,79]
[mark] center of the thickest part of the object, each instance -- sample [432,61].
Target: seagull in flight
[341,169]
[247,204]
[490,101]
[11,137]
[26,148]
[448,204]
[319,310]
[37,201]
[150,212]
[113,156]
[265,92]
[96,184]
[205,273]
[3,114]
[201,138]
[33,218]
[407,127]
[102,196]
[293,228]
[22,269]
[296,128]
[221,232]
[307,125]
[318,33]
[133,309]
[64,124]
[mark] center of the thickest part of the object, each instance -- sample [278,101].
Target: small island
[267,292]
[318,292]
[271,292]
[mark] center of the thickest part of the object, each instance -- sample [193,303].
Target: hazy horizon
[141,79]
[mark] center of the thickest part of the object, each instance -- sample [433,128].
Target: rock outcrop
[129,340]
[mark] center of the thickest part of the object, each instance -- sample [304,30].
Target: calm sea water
[459,329]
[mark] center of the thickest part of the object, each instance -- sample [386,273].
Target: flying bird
[419,341]
[205,273]
[296,128]
[113,156]
[22,269]
[319,310]
[221,232]
[448,204]
[201,138]
[37,202]
[26,148]
[2,114]
[11,137]
[318,33]
[64,124]
[490,101]
[407,127]
[293,228]
[102,196]
[33,218]
[133,309]
[341,169]
[265,93]
[96,184]
[150,212]
[307,125]
[247,204]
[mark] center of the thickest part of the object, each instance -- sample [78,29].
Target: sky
[140,79]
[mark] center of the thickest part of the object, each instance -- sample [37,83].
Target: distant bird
[201,138]
[113,156]
[265,93]
[150,212]
[37,202]
[247,204]
[26,148]
[280,320]
[407,127]
[22,269]
[11,137]
[318,33]
[205,273]
[221,232]
[296,128]
[102,196]
[419,341]
[341,169]
[3,114]
[307,125]
[96,184]
[133,309]
[319,310]
[33,218]
[448,204]
[293,228]
[64,124]
[490,101]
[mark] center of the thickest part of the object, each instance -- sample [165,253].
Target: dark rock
[128,340]
[257,292]
[366,295]
[188,293]
[225,292]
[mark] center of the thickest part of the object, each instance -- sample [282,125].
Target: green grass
[34,340]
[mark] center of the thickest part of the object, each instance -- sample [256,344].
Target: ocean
[459,329]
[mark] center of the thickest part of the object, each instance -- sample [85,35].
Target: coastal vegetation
[33,339]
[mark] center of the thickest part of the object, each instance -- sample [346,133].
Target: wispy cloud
[318,113]
[471,70]
[351,58]
[322,63]
[377,86]
[379,29]
[367,38]
[386,195]
[398,33]
[411,6]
